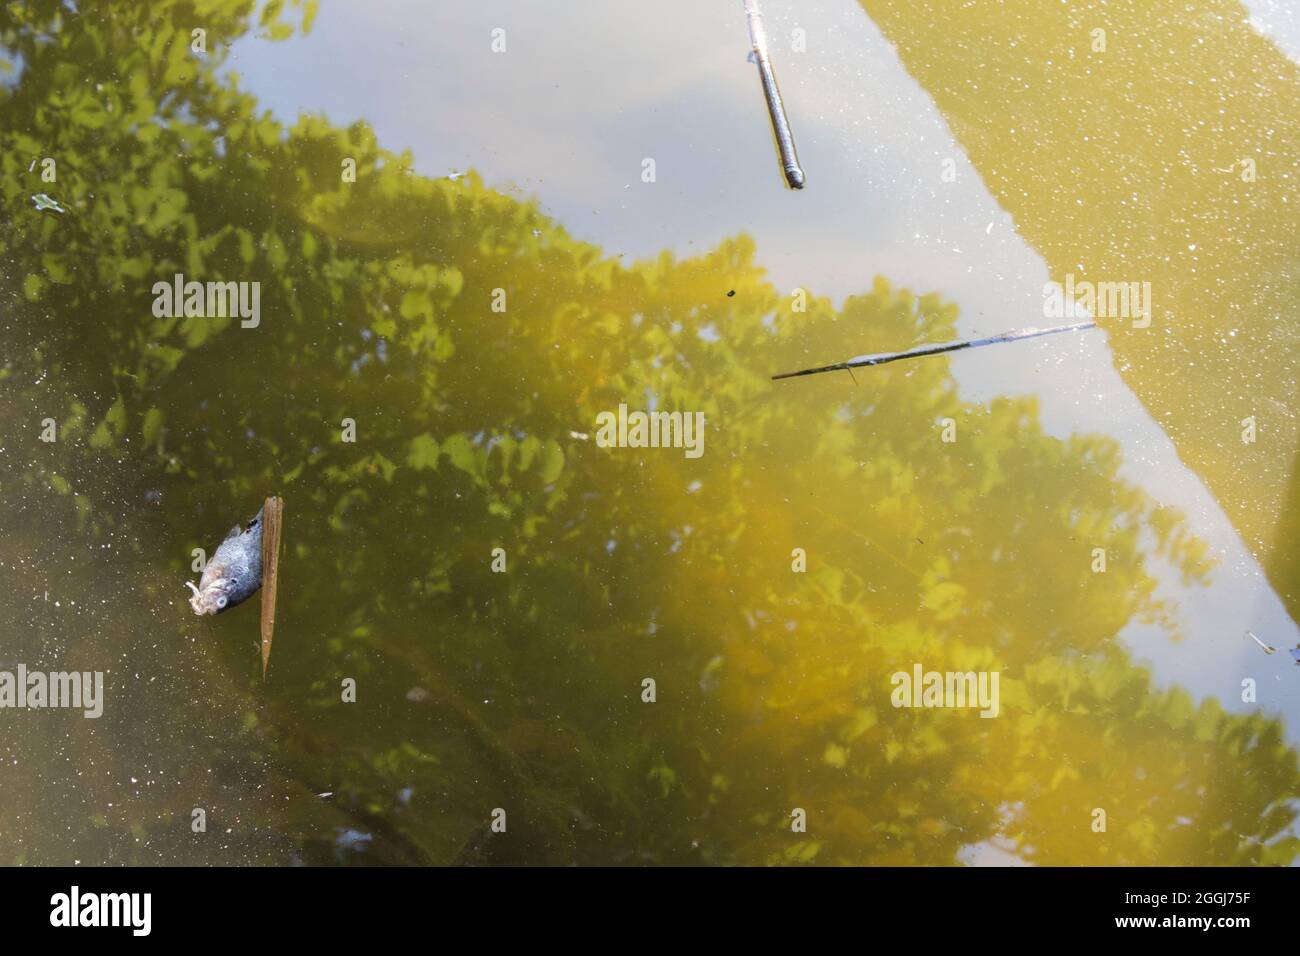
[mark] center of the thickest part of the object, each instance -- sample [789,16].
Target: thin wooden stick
[272,527]
[1267,649]
[921,351]
[772,93]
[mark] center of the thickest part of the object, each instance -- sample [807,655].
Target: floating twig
[924,350]
[1267,649]
[775,107]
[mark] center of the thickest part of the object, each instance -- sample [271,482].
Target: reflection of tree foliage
[773,687]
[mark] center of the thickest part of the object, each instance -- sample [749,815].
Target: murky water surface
[585,211]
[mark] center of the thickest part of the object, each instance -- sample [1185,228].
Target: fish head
[213,597]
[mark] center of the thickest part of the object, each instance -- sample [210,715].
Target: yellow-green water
[475,430]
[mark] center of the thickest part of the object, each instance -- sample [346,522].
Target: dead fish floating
[247,559]
[234,573]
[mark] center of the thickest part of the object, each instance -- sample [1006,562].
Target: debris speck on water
[43,202]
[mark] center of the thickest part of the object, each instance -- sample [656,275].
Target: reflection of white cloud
[547,149]
[582,96]
[530,115]
[989,853]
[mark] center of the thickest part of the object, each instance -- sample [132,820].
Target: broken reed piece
[1267,649]
[924,350]
[272,529]
[772,93]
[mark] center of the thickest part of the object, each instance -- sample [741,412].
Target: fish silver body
[234,573]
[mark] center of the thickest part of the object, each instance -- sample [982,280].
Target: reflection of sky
[579,99]
[1278,20]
